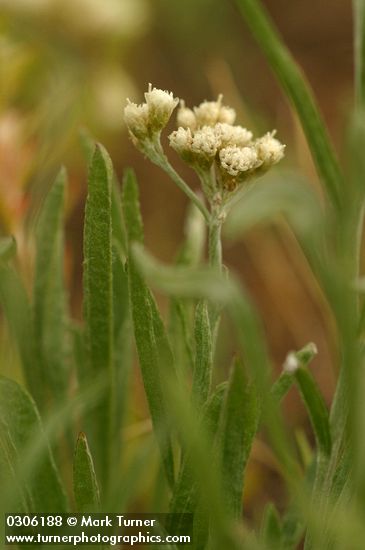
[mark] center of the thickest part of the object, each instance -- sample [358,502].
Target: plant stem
[215,243]
[157,156]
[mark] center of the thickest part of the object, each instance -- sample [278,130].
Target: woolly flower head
[208,113]
[160,106]
[236,160]
[150,117]
[269,149]
[186,117]
[181,140]
[232,135]
[136,119]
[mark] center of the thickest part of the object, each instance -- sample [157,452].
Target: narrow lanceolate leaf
[98,306]
[316,407]
[281,386]
[239,424]
[49,307]
[190,254]
[154,353]
[296,364]
[14,302]
[359,50]
[7,248]
[202,375]
[298,91]
[86,490]
[19,416]
[271,536]
[184,499]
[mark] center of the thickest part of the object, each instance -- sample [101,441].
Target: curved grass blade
[152,345]
[49,297]
[299,92]
[21,418]
[98,308]
[240,419]
[85,485]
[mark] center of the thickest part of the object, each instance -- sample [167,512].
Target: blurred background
[67,66]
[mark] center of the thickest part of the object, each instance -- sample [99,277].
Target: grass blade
[359,50]
[85,485]
[98,307]
[298,91]
[21,419]
[49,307]
[240,418]
[271,536]
[152,345]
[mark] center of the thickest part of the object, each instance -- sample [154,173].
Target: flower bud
[136,119]
[160,107]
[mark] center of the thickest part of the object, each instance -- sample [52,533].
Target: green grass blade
[240,418]
[152,345]
[298,91]
[98,307]
[21,418]
[14,302]
[271,536]
[202,376]
[359,50]
[85,485]
[7,248]
[49,297]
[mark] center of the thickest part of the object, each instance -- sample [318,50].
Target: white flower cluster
[207,134]
[207,113]
[150,117]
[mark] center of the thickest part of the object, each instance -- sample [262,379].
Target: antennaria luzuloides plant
[77,375]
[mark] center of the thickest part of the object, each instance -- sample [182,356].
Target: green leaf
[185,499]
[123,339]
[298,91]
[152,345]
[271,535]
[86,490]
[19,415]
[7,248]
[297,363]
[359,50]
[98,307]
[202,376]
[281,386]
[49,307]
[181,310]
[273,197]
[14,301]
[240,418]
